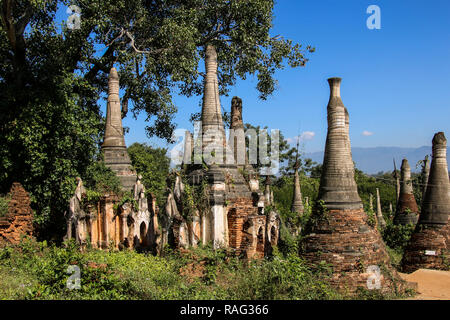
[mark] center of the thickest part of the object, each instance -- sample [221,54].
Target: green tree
[368,184]
[101,179]
[46,145]
[154,165]
[52,77]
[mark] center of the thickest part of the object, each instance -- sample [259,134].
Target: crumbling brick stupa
[18,221]
[407,211]
[339,233]
[429,244]
[233,212]
[110,223]
[297,202]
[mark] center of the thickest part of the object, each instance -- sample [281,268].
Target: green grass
[35,270]
[396,256]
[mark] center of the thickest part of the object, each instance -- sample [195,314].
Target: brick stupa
[407,211]
[429,245]
[18,221]
[339,233]
[115,151]
[234,216]
[297,203]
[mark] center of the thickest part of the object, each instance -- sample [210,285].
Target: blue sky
[401,70]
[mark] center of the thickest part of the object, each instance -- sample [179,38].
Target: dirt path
[432,284]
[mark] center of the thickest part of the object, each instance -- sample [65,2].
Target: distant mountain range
[374,160]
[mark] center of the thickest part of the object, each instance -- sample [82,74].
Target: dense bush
[35,270]
[397,236]
[101,179]
[153,164]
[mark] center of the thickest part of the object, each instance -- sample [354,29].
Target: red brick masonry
[428,249]
[19,219]
[344,240]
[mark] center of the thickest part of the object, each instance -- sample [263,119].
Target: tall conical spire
[340,233]
[237,134]
[425,175]
[114,130]
[114,148]
[428,247]
[337,186]
[436,204]
[397,183]
[188,148]
[371,202]
[380,218]
[297,203]
[407,211]
[267,192]
[211,110]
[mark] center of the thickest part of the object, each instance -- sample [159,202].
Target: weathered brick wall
[238,212]
[344,240]
[406,201]
[235,228]
[428,248]
[18,221]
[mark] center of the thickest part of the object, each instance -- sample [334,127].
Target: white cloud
[367,133]
[307,135]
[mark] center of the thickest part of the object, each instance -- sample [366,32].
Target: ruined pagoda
[380,218]
[339,233]
[115,151]
[430,242]
[407,211]
[297,203]
[425,175]
[233,215]
[213,131]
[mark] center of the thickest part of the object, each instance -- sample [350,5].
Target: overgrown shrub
[280,278]
[397,236]
[4,201]
[35,270]
[101,179]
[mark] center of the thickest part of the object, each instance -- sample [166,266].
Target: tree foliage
[154,165]
[101,179]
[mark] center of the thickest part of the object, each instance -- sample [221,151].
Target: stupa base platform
[355,251]
[428,249]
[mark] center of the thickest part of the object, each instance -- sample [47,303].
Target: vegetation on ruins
[4,201]
[127,197]
[52,77]
[51,82]
[396,237]
[101,179]
[195,200]
[35,270]
[154,165]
